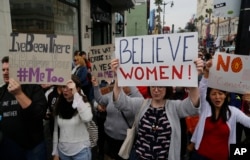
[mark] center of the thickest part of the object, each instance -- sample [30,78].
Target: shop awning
[121,5]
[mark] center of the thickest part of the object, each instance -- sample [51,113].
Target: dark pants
[196,156]
[114,147]
[100,118]
[88,91]
[133,155]
[9,150]
[239,130]
[184,137]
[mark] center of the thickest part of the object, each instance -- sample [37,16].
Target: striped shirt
[153,139]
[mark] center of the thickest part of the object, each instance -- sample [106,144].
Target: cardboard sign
[100,57]
[230,73]
[226,8]
[40,59]
[157,60]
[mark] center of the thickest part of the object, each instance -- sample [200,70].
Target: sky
[179,14]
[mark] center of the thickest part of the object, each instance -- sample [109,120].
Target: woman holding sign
[72,112]
[216,128]
[158,130]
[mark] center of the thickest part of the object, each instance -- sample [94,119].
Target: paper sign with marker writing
[100,58]
[230,73]
[40,59]
[157,60]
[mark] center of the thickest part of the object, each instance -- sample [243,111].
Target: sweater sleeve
[83,108]
[101,99]
[185,107]
[135,92]
[38,107]
[126,103]
[203,93]
[241,117]
[55,138]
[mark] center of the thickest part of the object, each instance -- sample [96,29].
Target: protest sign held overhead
[40,59]
[157,60]
[100,57]
[230,73]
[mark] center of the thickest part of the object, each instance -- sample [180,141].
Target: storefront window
[46,17]
[101,22]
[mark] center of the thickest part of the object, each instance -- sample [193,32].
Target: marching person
[158,130]
[72,112]
[22,109]
[117,122]
[216,128]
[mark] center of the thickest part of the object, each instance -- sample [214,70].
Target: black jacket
[23,126]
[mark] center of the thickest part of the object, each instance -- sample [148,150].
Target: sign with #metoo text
[157,60]
[230,73]
[40,59]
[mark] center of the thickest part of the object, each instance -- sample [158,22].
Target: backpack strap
[124,117]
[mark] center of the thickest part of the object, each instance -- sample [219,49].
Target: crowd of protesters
[40,122]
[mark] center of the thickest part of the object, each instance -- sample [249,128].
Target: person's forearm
[116,90]
[23,100]
[206,73]
[194,96]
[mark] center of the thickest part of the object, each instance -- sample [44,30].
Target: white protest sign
[226,8]
[230,73]
[157,60]
[40,59]
[100,58]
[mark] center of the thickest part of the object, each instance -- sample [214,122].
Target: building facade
[212,27]
[90,22]
[137,19]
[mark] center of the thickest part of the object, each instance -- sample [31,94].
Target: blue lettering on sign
[127,52]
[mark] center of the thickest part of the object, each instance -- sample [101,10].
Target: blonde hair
[80,60]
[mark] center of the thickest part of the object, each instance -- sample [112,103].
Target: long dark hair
[169,93]
[224,108]
[64,108]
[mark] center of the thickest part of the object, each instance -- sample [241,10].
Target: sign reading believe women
[162,60]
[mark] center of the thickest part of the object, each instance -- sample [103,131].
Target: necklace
[156,114]
[154,127]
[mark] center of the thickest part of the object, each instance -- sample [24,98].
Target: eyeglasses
[160,88]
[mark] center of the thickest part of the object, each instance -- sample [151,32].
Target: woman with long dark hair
[71,138]
[216,128]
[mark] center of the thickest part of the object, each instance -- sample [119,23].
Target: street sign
[226,8]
